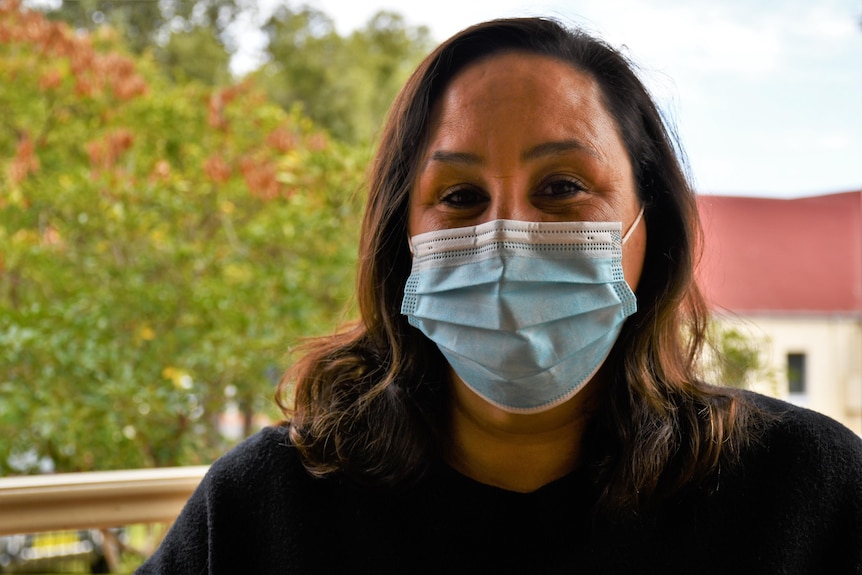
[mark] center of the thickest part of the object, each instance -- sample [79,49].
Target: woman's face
[525,137]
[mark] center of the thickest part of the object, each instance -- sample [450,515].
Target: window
[796,383]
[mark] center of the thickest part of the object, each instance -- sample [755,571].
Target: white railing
[94,500]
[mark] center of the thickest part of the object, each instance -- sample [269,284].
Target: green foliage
[344,84]
[159,243]
[195,54]
[188,39]
[138,21]
[144,23]
[735,358]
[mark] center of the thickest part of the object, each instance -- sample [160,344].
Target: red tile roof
[783,255]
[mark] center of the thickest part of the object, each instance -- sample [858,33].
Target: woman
[520,394]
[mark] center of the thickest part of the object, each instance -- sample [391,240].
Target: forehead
[499,70]
[536,93]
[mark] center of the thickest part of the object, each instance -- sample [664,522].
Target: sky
[765,96]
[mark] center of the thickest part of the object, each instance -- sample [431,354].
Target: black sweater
[793,506]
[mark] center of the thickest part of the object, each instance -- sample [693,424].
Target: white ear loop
[634,225]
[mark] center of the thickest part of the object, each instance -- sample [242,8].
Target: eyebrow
[557,148]
[542,150]
[447,157]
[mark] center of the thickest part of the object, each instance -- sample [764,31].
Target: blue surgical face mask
[525,312]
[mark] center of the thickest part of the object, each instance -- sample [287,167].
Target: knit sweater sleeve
[185,548]
[238,519]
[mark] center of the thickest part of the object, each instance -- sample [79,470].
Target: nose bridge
[510,200]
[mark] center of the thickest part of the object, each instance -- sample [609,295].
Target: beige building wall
[832,347]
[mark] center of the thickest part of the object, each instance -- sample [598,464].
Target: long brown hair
[371,402]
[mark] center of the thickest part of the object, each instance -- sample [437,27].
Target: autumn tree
[344,83]
[159,244]
[189,39]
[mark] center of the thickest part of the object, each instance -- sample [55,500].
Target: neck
[514,451]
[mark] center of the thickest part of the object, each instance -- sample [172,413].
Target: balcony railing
[94,500]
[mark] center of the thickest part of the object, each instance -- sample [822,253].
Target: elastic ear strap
[634,225]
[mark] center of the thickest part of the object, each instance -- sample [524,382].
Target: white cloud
[688,36]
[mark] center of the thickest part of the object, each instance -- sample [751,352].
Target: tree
[344,84]
[734,358]
[159,244]
[195,54]
[137,21]
[190,40]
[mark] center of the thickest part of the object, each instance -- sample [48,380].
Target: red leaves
[50,80]
[216,169]
[217,102]
[119,72]
[317,142]
[104,153]
[260,177]
[25,161]
[282,139]
[93,73]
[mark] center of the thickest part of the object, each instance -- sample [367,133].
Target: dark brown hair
[370,402]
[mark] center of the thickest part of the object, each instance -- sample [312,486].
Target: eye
[560,188]
[464,197]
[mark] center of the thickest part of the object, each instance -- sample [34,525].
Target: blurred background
[181,192]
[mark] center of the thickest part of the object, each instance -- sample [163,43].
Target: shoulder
[804,435]
[792,501]
[802,459]
[248,515]
[268,448]
[265,462]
